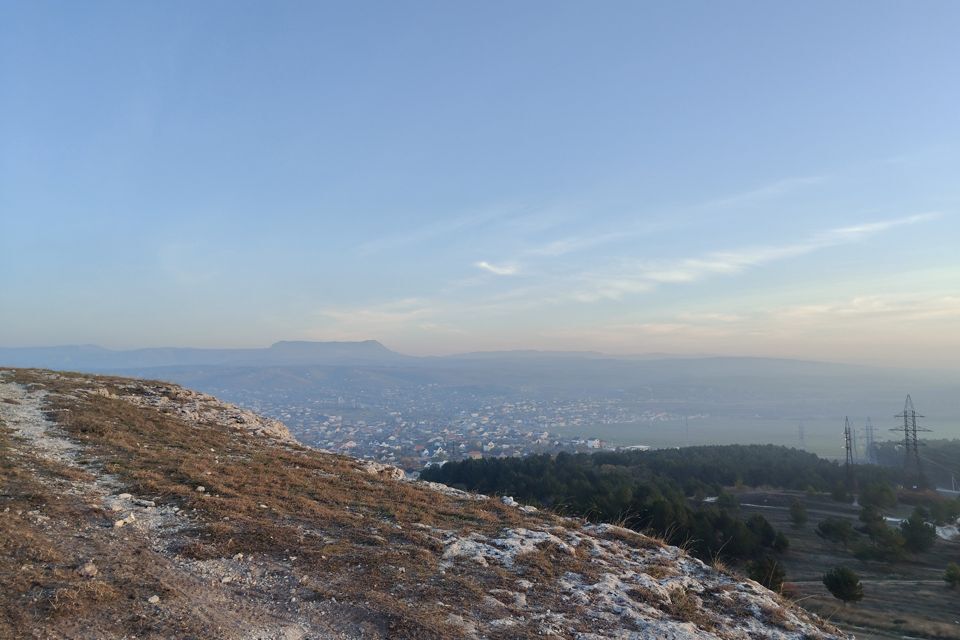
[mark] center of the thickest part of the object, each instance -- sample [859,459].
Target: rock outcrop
[195,407]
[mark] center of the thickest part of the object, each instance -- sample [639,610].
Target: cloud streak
[498,292]
[499,270]
[768,191]
[643,277]
[573,244]
[437,229]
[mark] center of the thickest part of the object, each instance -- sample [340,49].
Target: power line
[871,444]
[952,470]
[911,443]
[848,445]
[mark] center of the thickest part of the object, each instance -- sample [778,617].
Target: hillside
[134,508]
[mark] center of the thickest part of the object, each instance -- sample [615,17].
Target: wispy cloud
[500,270]
[438,228]
[463,309]
[567,245]
[774,189]
[645,276]
[899,308]
[598,288]
[363,322]
[388,313]
[862,230]
[710,316]
[512,218]
[640,336]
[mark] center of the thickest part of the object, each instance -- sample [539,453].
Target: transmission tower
[802,435]
[911,444]
[848,444]
[871,444]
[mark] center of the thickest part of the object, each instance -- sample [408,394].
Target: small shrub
[844,584]
[952,575]
[768,572]
[917,535]
[780,543]
[798,513]
[836,530]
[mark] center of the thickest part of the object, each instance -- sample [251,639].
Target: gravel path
[22,411]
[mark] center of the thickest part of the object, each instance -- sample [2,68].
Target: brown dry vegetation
[686,606]
[309,536]
[352,533]
[38,567]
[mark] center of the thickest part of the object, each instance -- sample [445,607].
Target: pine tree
[844,584]
[917,534]
[798,513]
[952,575]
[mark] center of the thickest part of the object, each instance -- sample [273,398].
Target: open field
[903,600]
[823,436]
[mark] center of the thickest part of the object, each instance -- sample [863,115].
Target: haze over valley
[369,401]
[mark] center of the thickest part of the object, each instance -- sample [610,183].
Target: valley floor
[907,599]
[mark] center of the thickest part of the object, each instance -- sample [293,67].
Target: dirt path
[128,540]
[22,410]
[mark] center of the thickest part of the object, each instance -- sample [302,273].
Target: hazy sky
[757,178]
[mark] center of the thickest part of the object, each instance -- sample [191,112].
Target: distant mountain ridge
[95,358]
[361,352]
[298,370]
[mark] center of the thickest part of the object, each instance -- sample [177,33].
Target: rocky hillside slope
[141,509]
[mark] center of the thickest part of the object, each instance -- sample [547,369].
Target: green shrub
[798,513]
[768,572]
[952,575]
[844,584]
[836,530]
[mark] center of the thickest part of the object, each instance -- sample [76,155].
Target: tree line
[660,492]
[678,494]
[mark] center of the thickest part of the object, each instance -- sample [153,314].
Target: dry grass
[659,571]
[904,624]
[366,541]
[721,566]
[777,616]
[644,595]
[350,531]
[687,607]
[38,565]
[633,539]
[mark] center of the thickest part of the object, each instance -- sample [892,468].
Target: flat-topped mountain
[141,509]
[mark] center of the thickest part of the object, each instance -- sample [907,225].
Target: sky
[729,178]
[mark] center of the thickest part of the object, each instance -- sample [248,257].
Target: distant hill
[732,391]
[94,358]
